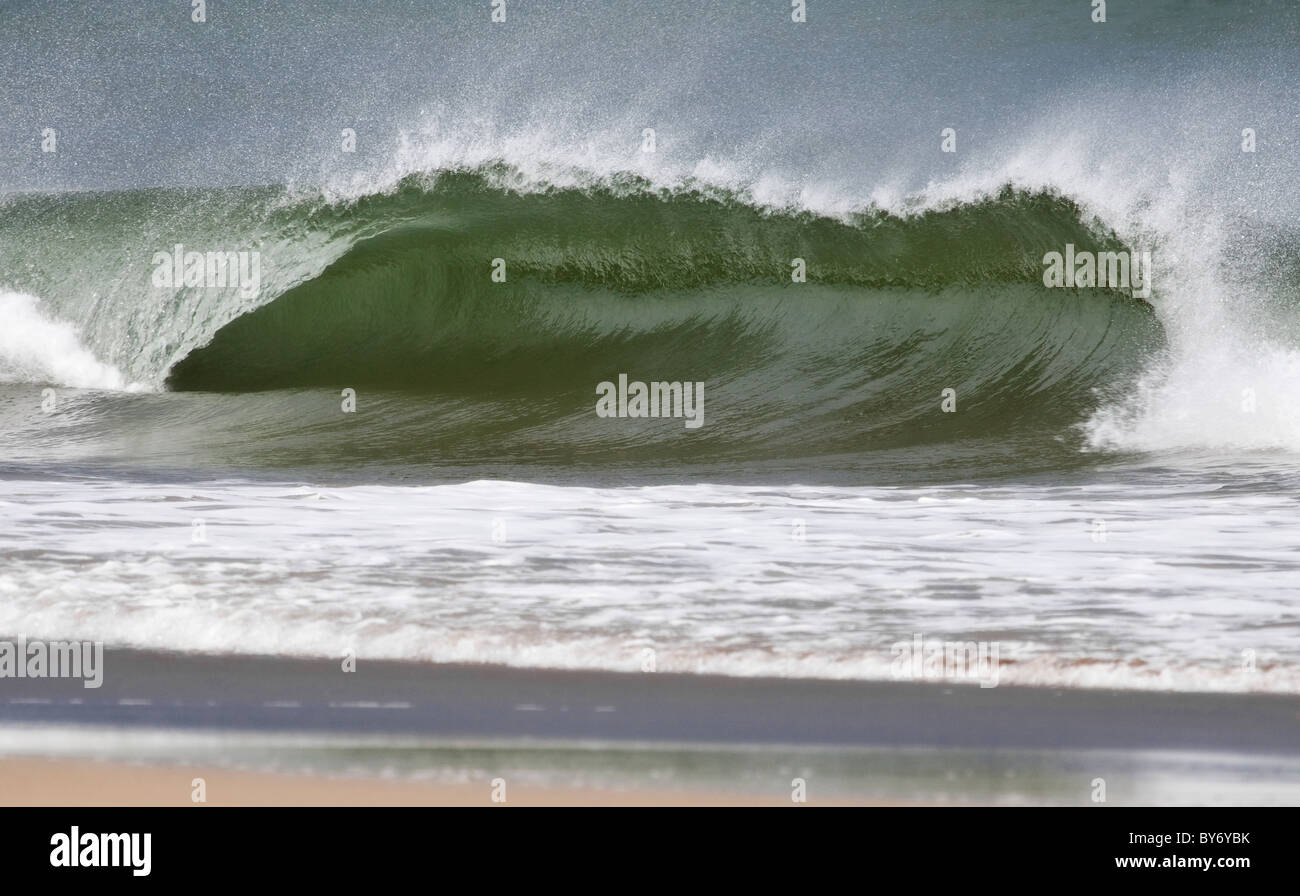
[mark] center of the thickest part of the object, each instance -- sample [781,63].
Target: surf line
[655,399]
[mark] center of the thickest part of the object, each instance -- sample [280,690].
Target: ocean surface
[384,450]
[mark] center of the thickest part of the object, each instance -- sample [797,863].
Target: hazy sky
[140,95]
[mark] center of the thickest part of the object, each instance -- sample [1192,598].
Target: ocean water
[384,449]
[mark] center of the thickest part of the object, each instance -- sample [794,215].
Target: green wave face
[393,294]
[694,287]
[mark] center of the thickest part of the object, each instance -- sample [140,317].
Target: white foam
[36,349]
[1229,380]
[1225,397]
[709,578]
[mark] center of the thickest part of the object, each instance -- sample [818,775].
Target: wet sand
[283,731]
[144,688]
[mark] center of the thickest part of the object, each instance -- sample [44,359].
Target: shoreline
[290,731]
[230,691]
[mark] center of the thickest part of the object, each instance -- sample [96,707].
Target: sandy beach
[50,782]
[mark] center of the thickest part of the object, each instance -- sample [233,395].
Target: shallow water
[1178,578]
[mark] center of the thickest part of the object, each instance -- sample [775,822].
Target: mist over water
[821,141]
